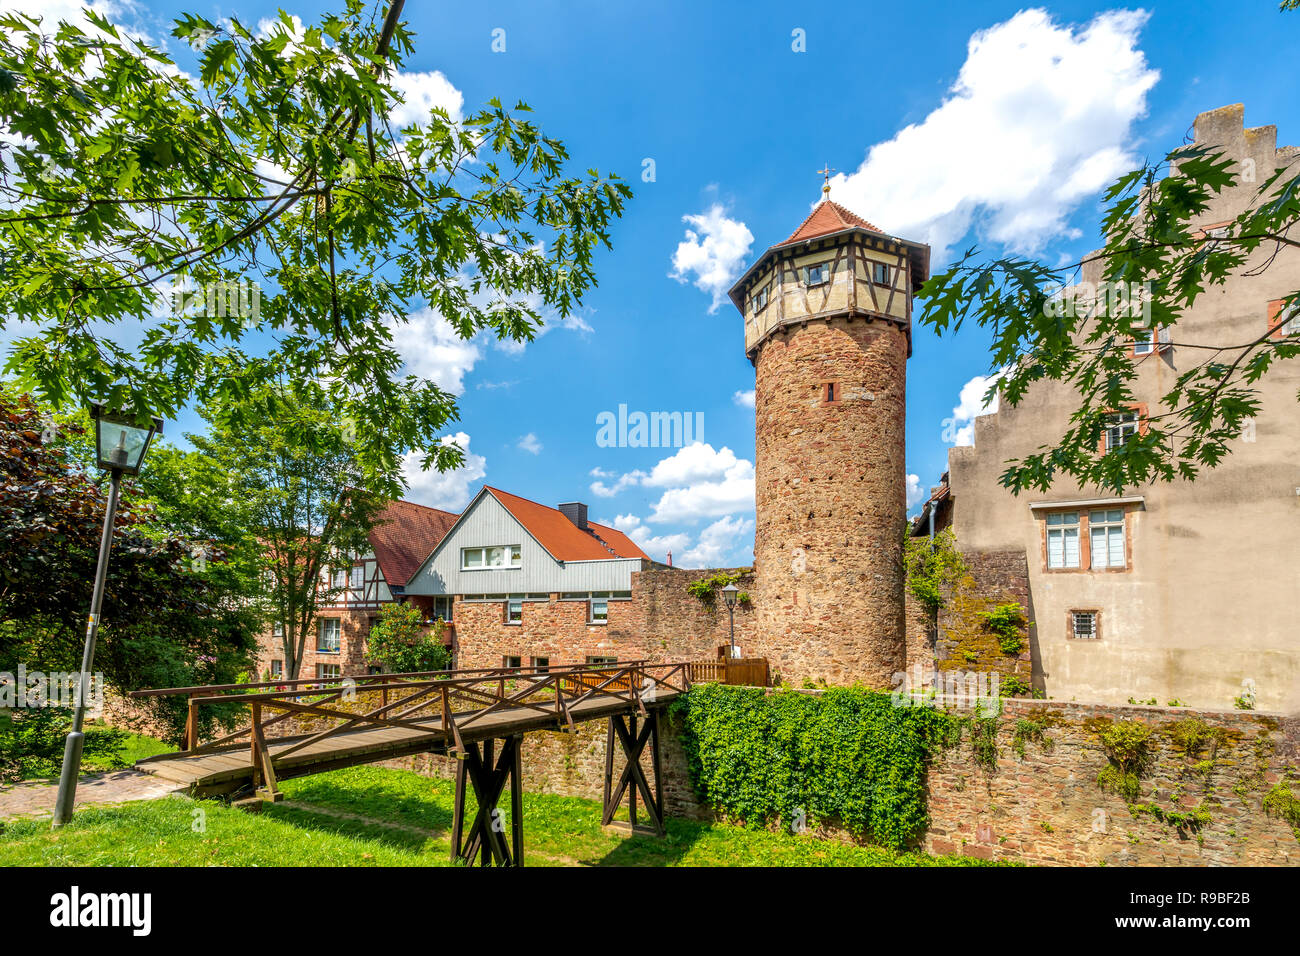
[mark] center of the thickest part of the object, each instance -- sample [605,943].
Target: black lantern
[120,442]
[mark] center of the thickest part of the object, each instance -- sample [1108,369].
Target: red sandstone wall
[830,502]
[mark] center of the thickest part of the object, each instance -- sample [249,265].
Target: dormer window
[759,300]
[816,275]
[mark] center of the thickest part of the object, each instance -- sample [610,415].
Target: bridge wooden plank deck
[230,768]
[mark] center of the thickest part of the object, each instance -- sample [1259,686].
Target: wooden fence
[748,671]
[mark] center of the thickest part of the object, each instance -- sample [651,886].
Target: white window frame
[603,601]
[513,601]
[358,580]
[277,668]
[823,273]
[1111,522]
[1092,633]
[1124,424]
[1060,529]
[759,301]
[512,557]
[1147,345]
[322,643]
[322,667]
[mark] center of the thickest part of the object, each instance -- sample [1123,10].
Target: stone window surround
[1129,505]
[1096,624]
[832,392]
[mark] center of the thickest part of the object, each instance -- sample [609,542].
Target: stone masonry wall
[1046,807]
[959,639]
[1042,807]
[829,488]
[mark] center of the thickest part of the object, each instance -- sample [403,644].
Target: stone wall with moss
[1087,784]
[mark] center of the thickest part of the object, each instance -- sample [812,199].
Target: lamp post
[120,444]
[729,596]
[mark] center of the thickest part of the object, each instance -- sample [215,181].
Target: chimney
[670,559]
[576,512]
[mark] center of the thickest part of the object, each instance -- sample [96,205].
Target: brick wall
[350,657]
[662,622]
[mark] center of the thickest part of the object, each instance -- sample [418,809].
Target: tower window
[880,273]
[816,275]
[760,300]
[1083,626]
[830,392]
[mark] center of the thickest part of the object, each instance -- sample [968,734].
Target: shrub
[400,641]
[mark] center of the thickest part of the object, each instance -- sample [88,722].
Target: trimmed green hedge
[846,755]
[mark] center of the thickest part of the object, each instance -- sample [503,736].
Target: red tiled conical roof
[828,217]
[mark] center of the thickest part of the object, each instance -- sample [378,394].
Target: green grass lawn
[407,820]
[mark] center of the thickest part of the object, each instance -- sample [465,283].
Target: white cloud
[718,542]
[1038,118]
[448,490]
[713,253]
[915,493]
[744,399]
[602,490]
[423,92]
[530,444]
[960,429]
[432,349]
[732,491]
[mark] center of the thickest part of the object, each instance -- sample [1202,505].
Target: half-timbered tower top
[835,264]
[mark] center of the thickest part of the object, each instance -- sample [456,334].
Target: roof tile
[564,540]
[404,535]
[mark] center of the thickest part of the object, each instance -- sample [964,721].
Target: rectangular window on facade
[358,577]
[1283,320]
[442,608]
[830,392]
[1106,538]
[340,578]
[880,273]
[1083,625]
[325,671]
[328,634]
[595,659]
[1145,344]
[511,661]
[1063,539]
[1120,426]
[760,300]
[515,609]
[816,275]
[542,664]
[497,556]
[277,631]
[277,669]
[598,612]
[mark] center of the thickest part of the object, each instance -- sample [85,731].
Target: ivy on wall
[846,755]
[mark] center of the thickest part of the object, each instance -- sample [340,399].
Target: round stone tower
[828,327]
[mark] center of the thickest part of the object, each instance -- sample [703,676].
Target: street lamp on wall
[120,446]
[729,597]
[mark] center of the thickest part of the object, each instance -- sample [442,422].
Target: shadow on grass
[648,850]
[410,840]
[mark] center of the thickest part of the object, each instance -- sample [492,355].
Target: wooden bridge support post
[485,839]
[633,779]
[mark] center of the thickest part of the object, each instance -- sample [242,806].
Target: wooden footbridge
[302,727]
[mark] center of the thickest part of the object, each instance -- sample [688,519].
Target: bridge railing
[442,704]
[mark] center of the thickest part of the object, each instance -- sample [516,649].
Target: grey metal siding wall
[489,523]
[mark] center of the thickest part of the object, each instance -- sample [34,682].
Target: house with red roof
[502,574]
[526,583]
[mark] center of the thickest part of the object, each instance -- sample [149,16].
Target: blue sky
[990,123]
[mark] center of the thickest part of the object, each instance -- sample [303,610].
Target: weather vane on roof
[826,183]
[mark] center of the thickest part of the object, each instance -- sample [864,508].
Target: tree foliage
[296,497]
[170,616]
[400,641]
[124,177]
[1151,242]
